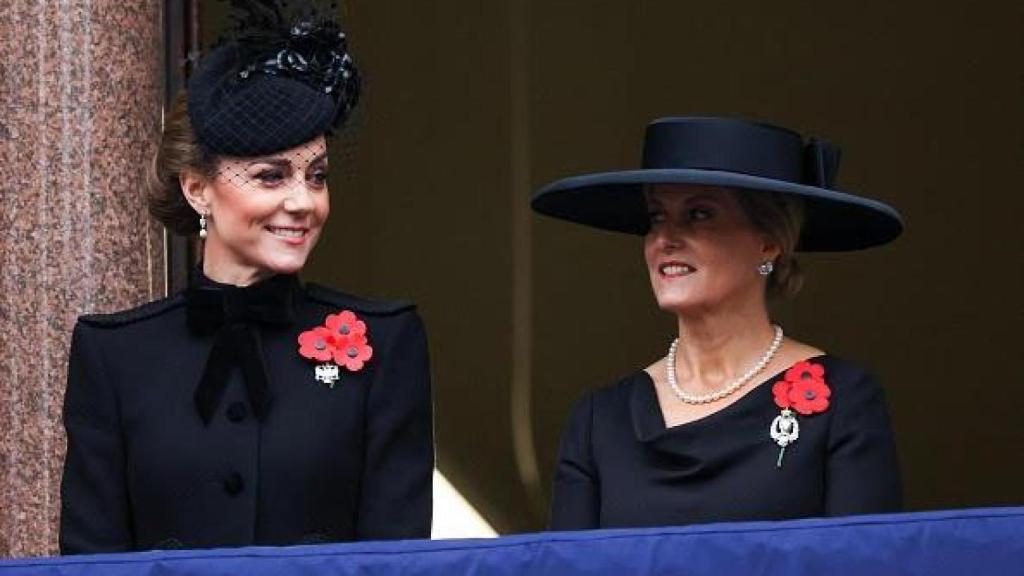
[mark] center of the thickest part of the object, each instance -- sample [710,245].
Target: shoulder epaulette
[339,299]
[136,314]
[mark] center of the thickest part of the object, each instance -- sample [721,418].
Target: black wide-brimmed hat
[282,78]
[748,156]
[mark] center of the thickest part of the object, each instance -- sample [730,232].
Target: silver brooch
[327,373]
[784,430]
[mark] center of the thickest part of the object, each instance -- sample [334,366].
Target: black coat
[619,466]
[290,461]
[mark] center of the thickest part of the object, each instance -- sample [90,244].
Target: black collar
[233,314]
[210,305]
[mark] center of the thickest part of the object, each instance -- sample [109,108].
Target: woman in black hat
[736,422]
[252,409]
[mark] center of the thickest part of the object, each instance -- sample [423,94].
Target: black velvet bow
[233,315]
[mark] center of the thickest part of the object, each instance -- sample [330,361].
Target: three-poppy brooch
[340,342]
[802,390]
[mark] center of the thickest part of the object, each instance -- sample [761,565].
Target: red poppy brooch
[803,390]
[340,341]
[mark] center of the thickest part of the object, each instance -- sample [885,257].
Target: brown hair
[178,152]
[780,217]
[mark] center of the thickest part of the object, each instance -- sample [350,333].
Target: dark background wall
[471,105]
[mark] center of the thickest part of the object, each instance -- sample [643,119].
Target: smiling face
[264,213]
[702,252]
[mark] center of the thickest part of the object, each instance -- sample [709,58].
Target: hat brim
[833,221]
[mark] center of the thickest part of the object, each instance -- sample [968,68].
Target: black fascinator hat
[282,77]
[750,157]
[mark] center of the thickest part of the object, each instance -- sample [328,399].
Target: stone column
[80,103]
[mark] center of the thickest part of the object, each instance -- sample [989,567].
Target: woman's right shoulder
[146,312]
[613,393]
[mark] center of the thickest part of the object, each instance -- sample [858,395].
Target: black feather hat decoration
[282,77]
[298,40]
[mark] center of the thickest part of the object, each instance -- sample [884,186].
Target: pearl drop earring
[202,227]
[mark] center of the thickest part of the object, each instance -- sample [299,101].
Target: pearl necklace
[732,387]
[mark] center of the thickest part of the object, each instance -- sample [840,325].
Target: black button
[169,544]
[233,483]
[237,412]
[314,538]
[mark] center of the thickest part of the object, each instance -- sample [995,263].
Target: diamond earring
[765,268]
[202,227]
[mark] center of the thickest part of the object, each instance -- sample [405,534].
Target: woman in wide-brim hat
[736,422]
[251,409]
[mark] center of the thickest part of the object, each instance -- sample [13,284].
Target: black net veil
[301,169]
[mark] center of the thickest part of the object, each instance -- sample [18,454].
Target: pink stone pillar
[80,102]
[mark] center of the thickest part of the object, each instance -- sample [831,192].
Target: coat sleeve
[576,501]
[862,474]
[95,514]
[396,491]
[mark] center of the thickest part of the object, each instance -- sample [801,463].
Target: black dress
[194,422]
[619,466]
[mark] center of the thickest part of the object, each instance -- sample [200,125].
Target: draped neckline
[649,422]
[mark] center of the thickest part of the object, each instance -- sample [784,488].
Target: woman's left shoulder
[845,372]
[385,320]
[851,383]
[337,300]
